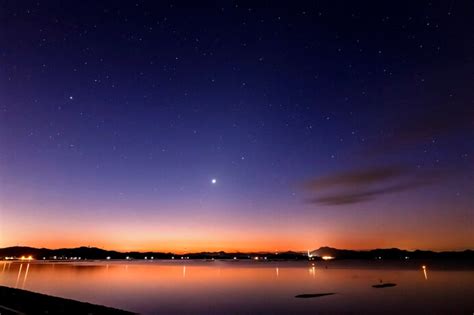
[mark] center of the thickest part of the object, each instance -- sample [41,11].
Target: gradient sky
[334,123]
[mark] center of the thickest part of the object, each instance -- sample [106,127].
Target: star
[214,181]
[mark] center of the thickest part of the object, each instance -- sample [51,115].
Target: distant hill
[97,253]
[79,252]
[390,253]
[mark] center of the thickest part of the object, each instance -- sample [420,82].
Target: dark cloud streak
[406,135]
[343,198]
[363,185]
[357,177]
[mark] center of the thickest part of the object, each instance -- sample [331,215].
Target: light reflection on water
[248,287]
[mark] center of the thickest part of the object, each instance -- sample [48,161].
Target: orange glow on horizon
[211,233]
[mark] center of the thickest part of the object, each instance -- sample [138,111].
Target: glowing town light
[26,257]
[327,257]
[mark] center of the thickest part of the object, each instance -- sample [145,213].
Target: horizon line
[245,252]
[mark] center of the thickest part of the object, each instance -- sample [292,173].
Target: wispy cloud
[356,177]
[363,185]
[403,135]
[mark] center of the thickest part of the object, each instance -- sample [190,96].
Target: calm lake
[243,287]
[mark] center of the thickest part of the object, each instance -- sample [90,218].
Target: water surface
[242,287]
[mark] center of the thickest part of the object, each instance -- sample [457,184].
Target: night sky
[237,126]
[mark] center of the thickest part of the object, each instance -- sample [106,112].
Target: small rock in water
[312,295]
[384,285]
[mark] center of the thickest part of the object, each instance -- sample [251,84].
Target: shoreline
[18,301]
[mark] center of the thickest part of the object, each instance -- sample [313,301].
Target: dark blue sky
[323,123]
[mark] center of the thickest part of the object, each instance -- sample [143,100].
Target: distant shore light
[26,257]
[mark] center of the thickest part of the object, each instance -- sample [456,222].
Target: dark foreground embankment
[15,301]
